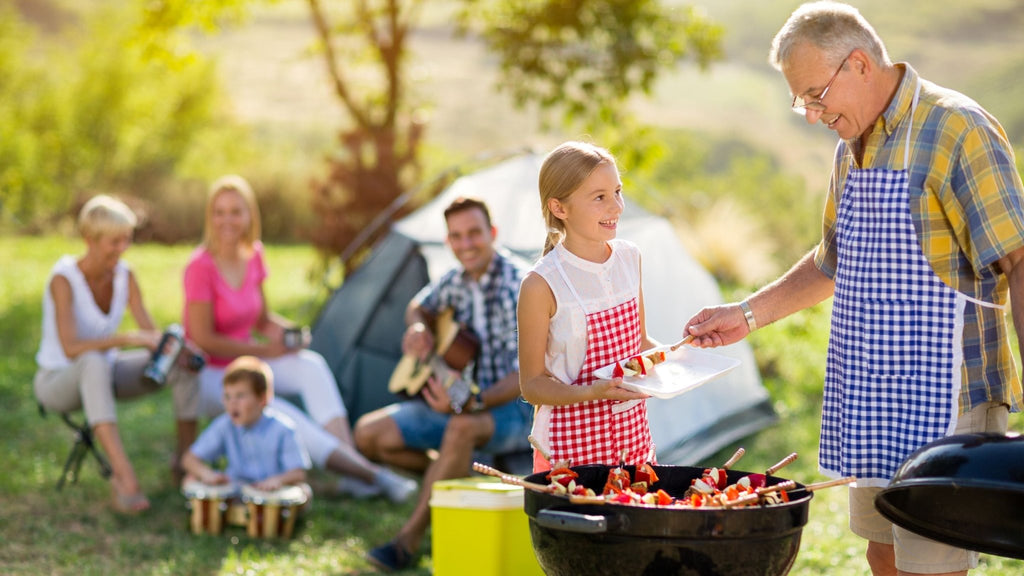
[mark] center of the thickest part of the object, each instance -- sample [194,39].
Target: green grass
[74,532]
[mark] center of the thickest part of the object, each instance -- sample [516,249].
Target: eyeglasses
[802,105]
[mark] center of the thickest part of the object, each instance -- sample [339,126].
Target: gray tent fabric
[359,331]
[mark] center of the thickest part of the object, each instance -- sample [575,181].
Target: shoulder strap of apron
[906,166]
[565,277]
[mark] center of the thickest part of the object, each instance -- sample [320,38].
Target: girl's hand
[613,390]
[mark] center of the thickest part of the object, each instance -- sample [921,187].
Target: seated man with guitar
[461,367]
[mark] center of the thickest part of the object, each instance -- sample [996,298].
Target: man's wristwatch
[476,403]
[748,314]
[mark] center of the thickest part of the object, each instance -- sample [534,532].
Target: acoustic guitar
[455,347]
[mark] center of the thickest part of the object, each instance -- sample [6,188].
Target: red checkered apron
[596,432]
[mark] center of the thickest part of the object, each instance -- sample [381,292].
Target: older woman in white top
[81,358]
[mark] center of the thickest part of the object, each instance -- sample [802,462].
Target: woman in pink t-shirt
[225,308]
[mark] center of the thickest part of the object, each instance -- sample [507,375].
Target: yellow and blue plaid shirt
[967,203]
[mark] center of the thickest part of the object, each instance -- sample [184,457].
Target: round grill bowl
[572,539]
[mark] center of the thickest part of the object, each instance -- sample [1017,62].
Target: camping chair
[83,445]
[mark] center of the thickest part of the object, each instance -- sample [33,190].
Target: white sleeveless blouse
[600,286]
[90,322]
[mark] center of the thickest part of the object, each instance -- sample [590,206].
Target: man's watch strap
[748,314]
[476,403]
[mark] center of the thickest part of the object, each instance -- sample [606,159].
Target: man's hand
[436,394]
[418,341]
[717,326]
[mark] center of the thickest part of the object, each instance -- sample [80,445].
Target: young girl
[581,308]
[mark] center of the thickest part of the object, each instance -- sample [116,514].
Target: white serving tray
[683,369]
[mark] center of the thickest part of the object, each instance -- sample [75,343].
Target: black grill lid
[965,490]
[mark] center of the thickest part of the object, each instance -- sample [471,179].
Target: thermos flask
[165,355]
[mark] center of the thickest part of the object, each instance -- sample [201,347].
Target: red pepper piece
[663,498]
[562,471]
[618,372]
[646,473]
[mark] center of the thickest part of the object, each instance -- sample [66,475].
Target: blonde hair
[103,215]
[237,184]
[835,28]
[563,171]
[253,371]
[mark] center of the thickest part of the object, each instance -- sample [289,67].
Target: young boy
[260,447]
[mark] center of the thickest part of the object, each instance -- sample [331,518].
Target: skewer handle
[510,479]
[577,499]
[787,485]
[742,501]
[784,462]
[536,446]
[652,454]
[528,485]
[830,483]
[487,470]
[735,457]
[685,339]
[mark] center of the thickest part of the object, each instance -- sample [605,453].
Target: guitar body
[455,346]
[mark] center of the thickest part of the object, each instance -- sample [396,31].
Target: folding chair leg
[83,446]
[72,464]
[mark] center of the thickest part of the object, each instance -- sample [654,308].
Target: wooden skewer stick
[830,483]
[544,454]
[735,457]
[489,471]
[536,446]
[577,499]
[787,485]
[784,462]
[685,339]
[510,479]
[742,501]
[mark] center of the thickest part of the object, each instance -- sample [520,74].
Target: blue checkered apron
[892,376]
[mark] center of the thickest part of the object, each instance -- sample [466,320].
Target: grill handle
[580,523]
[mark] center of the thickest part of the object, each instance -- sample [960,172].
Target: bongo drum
[272,514]
[208,505]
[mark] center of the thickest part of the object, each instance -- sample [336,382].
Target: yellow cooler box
[479,527]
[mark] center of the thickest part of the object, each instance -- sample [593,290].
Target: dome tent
[359,330]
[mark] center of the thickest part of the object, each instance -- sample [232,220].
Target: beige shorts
[916,553]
